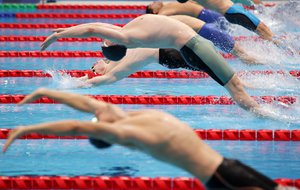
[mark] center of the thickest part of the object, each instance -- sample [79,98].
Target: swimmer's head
[112,51]
[182,1]
[154,7]
[100,67]
[99,143]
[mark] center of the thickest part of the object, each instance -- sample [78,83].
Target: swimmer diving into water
[153,132]
[197,52]
[233,13]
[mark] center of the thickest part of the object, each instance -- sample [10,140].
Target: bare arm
[134,61]
[100,130]
[236,90]
[101,30]
[80,102]
[244,56]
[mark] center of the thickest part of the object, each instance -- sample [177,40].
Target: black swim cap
[149,10]
[114,52]
[99,143]
[182,1]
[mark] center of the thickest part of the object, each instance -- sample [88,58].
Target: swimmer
[113,71]
[153,132]
[198,52]
[234,13]
[219,38]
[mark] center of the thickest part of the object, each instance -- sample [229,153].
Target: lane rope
[39,26]
[67,16]
[92,39]
[112,183]
[183,74]
[205,134]
[68,54]
[158,99]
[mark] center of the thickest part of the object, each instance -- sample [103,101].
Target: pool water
[78,157]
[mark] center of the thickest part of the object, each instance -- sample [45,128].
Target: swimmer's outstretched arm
[132,62]
[101,30]
[236,90]
[244,56]
[68,128]
[77,101]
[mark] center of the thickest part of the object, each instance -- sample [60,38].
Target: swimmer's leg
[209,16]
[201,54]
[219,38]
[238,15]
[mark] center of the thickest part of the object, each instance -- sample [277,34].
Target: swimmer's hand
[12,136]
[33,96]
[49,40]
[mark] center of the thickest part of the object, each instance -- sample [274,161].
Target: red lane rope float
[42,38]
[92,39]
[38,26]
[140,74]
[45,6]
[157,99]
[68,54]
[75,16]
[205,134]
[112,183]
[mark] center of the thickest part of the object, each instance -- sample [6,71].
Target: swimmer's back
[155,31]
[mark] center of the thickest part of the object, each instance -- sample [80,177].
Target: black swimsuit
[198,54]
[172,59]
[234,175]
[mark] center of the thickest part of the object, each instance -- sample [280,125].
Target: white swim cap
[94,120]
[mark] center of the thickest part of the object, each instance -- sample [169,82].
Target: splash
[288,14]
[279,18]
[65,81]
[283,112]
[278,82]
[285,55]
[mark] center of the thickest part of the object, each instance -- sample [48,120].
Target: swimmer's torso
[168,139]
[156,31]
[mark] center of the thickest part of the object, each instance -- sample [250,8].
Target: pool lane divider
[205,134]
[10,6]
[169,74]
[39,26]
[67,16]
[91,39]
[158,99]
[112,183]
[68,54]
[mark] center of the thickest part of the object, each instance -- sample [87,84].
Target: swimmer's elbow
[75,128]
[90,31]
